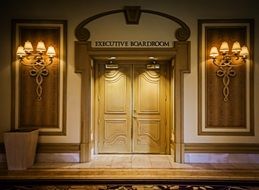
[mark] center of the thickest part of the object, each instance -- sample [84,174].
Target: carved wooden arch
[132,16]
[84,55]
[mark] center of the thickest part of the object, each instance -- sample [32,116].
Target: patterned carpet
[125,187]
[88,184]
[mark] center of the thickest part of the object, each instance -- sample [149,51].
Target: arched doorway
[86,57]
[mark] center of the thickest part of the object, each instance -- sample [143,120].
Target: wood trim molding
[52,148]
[234,148]
[239,148]
[181,34]
[182,65]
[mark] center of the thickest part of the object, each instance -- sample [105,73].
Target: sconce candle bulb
[51,51]
[41,47]
[224,62]
[37,62]
[28,46]
[214,52]
[244,52]
[20,52]
[236,47]
[224,47]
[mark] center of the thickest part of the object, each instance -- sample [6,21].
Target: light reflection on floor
[139,161]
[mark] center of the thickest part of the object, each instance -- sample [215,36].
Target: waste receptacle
[20,148]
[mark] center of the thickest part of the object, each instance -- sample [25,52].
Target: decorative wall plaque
[216,115]
[48,112]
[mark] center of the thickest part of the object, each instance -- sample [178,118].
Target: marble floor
[152,168]
[120,161]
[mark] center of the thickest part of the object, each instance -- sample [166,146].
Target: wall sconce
[224,62]
[37,61]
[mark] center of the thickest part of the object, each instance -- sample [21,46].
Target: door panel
[147,91]
[147,136]
[149,110]
[131,113]
[114,110]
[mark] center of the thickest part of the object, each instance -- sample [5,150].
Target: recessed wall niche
[228,112]
[38,79]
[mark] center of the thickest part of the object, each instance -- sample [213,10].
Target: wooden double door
[132,115]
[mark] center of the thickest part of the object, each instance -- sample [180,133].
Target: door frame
[179,55]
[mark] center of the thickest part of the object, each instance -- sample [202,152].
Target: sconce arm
[214,61]
[38,64]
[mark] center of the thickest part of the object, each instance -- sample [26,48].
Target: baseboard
[231,148]
[52,148]
[58,148]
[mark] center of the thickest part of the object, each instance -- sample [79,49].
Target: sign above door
[131,43]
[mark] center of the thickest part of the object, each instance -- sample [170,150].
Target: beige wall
[150,28]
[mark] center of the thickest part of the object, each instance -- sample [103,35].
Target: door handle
[134,112]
